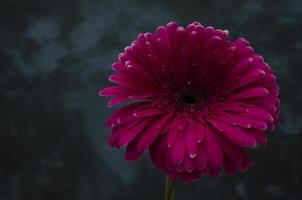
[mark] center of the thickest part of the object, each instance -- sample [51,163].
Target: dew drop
[192,155]
[127,62]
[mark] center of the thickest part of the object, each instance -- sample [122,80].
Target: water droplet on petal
[192,155]
[127,62]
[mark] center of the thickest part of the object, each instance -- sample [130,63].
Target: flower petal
[132,131]
[178,151]
[254,92]
[147,112]
[188,164]
[190,141]
[214,152]
[202,157]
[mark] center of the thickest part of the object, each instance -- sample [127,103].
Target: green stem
[169,191]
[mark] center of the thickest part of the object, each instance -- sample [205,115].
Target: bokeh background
[56,55]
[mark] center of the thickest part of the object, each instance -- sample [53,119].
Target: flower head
[197,100]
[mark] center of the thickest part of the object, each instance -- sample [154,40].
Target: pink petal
[172,135]
[177,125]
[191,142]
[131,152]
[261,139]
[214,152]
[116,78]
[246,163]
[241,66]
[120,116]
[202,158]
[248,78]
[164,122]
[178,151]
[241,121]
[148,136]
[232,151]
[163,43]
[237,136]
[117,100]
[245,51]
[132,131]
[250,93]
[112,91]
[116,134]
[257,113]
[188,164]
[118,66]
[147,112]
[200,131]
[156,152]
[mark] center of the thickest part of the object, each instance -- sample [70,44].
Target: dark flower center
[189,99]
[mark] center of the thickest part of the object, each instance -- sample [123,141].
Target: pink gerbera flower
[197,100]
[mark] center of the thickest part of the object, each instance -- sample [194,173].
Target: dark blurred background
[56,55]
